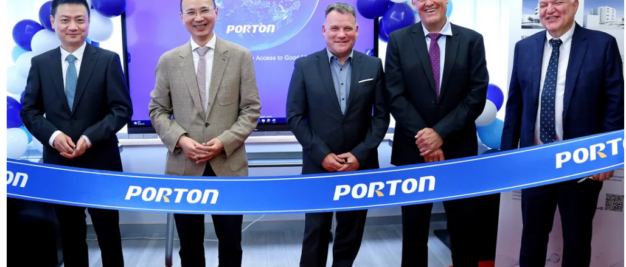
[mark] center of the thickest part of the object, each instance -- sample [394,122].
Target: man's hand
[427,140]
[332,162]
[437,155]
[213,148]
[81,147]
[191,149]
[352,163]
[64,144]
[601,177]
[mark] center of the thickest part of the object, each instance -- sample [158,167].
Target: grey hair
[342,8]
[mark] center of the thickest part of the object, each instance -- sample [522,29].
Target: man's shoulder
[234,48]
[595,36]
[311,59]
[400,33]
[467,32]
[368,60]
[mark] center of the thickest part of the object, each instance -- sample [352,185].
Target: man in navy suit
[436,76]
[336,109]
[554,96]
[76,101]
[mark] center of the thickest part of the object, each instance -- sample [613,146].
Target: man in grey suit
[336,109]
[204,106]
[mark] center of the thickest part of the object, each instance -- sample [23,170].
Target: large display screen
[276,31]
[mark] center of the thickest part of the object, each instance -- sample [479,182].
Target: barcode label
[614,202]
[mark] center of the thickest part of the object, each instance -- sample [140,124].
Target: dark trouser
[577,205]
[348,237]
[415,230]
[74,233]
[190,229]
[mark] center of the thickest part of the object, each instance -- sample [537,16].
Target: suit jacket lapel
[323,66]
[186,64]
[452,48]
[56,71]
[536,64]
[220,60]
[90,58]
[357,67]
[577,54]
[422,53]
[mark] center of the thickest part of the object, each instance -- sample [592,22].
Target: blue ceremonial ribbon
[414,184]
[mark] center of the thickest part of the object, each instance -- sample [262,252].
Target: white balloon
[17,143]
[15,83]
[37,145]
[100,27]
[23,64]
[43,41]
[488,115]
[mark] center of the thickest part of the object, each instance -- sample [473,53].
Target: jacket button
[206,124]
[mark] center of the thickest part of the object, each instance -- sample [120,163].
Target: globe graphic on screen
[262,24]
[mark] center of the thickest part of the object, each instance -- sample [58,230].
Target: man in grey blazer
[204,105]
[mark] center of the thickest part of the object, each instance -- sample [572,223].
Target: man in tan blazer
[204,105]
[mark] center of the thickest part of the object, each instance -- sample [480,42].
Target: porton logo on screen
[262,24]
[379,189]
[193,196]
[591,153]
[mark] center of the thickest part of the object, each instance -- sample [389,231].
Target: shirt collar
[331,56]
[566,37]
[78,53]
[210,44]
[446,30]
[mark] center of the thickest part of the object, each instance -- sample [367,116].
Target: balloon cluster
[33,38]
[488,126]
[393,14]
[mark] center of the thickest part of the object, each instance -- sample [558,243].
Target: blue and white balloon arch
[33,37]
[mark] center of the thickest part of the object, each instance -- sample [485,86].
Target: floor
[381,247]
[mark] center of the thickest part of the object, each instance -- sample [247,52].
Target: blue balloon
[109,8]
[30,136]
[24,31]
[491,135]
[397,17]
[382,35]
[17,52]
[372,9]
[13,113]
[494,93]
[44,15]
[94,43]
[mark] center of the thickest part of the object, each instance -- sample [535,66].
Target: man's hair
[181,5]
[342,8]
[57,3]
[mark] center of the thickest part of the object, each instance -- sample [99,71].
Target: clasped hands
[67,148]
[345,162]
[200,152]
[429,143]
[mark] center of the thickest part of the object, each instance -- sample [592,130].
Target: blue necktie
[71,78]
[547,129]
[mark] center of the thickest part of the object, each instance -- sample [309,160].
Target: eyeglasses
[192,14]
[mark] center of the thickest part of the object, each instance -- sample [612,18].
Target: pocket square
[366,80]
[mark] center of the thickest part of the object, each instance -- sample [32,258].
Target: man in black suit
[82,92]
[329,109]
[437,80]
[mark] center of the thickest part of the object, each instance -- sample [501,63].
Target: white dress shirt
[209,64]
[65,65]
[445,31]
[564,52]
